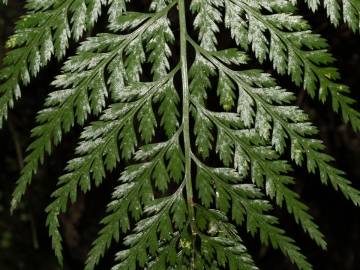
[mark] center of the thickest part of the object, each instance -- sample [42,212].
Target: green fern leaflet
[172,207]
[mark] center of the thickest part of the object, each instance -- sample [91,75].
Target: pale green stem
[186,125]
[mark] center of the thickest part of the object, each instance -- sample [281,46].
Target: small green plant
[171,209]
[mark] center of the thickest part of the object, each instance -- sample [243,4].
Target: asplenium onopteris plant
[198,175]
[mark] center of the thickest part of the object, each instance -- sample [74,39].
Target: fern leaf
[206,20]
[286,50]
[99,141]
[84,92]
[45,31]
[202,135]
[135,184]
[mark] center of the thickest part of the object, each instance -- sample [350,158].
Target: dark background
[24,243]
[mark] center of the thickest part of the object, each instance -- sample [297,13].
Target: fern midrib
[186,124]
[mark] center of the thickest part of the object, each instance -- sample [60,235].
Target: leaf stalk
[186,125]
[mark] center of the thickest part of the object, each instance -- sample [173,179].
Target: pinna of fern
[171,208]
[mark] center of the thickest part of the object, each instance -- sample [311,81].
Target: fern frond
[287,122]
[84,92]
[207,18]
[150,232]
[220,241]
[99,147]
[257,221]
[135,190]
[203,137]
[292,48]
[40,34]
[268,172]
